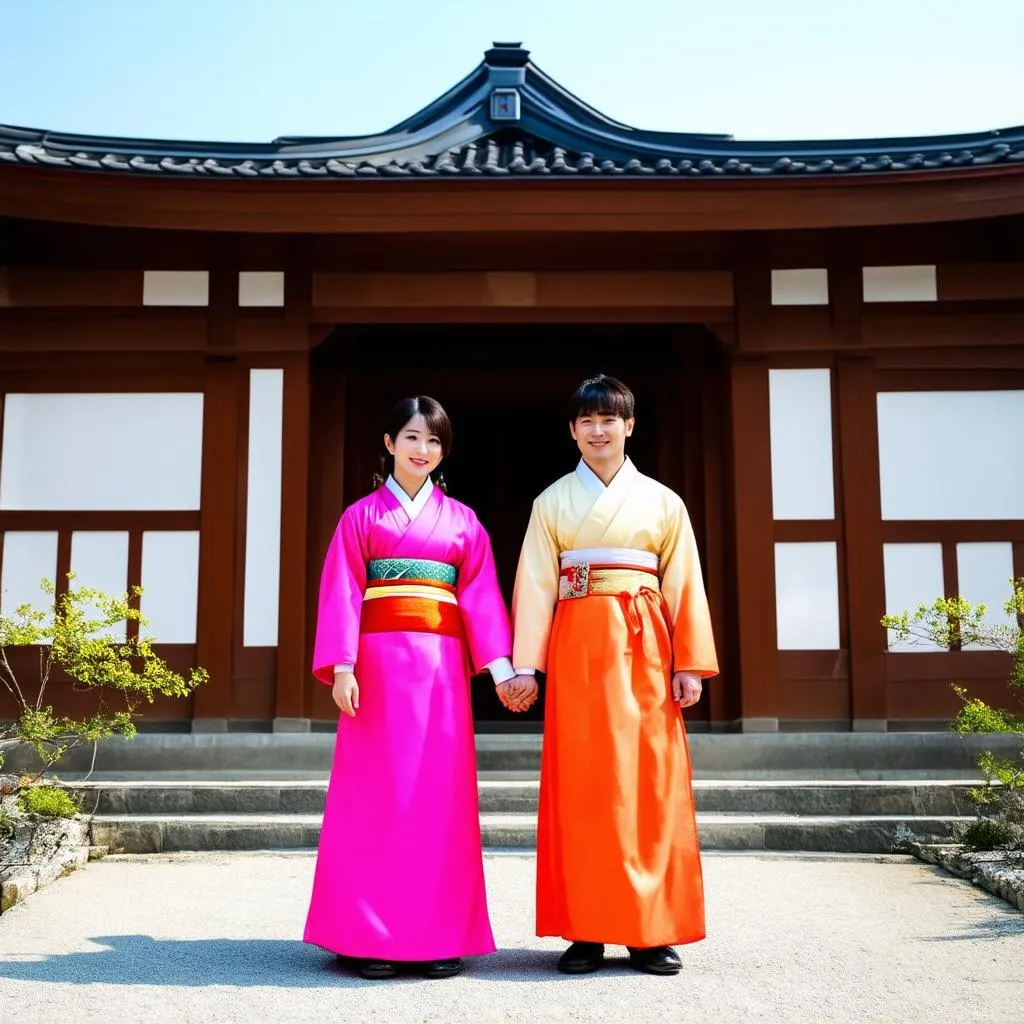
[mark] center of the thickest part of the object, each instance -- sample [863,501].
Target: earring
[441,482]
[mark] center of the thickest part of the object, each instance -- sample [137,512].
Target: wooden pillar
[754,542]
[865,578]
[754,545]
[859,487]
[219,494]
[293,657]
[217,562]
[329,393]
[723,705]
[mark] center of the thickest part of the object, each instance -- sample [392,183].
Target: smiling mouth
[418,462]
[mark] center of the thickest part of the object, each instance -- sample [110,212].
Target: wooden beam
[541,289]
[80,286]
[508,206]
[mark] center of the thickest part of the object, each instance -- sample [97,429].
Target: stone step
[519,793]
[157,833]
[722,755]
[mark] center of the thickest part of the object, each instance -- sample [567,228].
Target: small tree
[76,635]
[953,622]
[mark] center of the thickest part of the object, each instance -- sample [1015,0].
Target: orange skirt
[617,854]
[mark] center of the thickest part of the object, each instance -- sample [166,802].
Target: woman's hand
[518,693]
[686,688]
[346,693]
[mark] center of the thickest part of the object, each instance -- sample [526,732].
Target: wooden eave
[504,206]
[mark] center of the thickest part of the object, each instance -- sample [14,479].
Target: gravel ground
[214,937]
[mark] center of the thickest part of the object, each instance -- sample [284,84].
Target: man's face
[601,437]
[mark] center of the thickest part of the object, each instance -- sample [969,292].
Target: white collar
[594,484]
[413,506]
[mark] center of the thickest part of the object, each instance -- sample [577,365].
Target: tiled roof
[507,119]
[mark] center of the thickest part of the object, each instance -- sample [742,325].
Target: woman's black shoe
[441,968]
[582,958]
[375,969]
[655,960]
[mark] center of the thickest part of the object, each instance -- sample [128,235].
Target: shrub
[48,801]
[952,623]
[991,834]
[76,634]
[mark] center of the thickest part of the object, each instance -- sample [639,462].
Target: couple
[610,603]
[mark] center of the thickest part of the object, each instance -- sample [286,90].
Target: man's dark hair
[601,396]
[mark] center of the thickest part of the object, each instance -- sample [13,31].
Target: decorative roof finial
[507,55]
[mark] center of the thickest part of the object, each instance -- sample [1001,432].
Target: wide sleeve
[341,600]
[484,617]
[536,593]
[682,584]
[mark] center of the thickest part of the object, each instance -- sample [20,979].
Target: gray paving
[214,937]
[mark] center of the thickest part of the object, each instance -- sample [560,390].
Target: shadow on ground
[1005,919]
[245,963]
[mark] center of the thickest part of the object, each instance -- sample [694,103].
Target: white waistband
[611,556]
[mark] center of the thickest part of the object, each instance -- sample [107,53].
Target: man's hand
[518,693]
[346,693]
[686,688]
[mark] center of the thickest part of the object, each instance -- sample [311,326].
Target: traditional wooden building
[198,341]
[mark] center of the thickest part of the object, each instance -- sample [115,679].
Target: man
[610,602]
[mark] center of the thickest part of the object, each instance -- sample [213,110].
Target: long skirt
[617,854]
[399,872]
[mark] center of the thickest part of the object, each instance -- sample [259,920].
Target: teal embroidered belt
[419,569]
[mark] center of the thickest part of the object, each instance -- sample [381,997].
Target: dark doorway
[505,388]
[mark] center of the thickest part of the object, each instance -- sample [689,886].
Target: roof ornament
[506,71]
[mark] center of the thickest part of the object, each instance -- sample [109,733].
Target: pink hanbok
[409,598]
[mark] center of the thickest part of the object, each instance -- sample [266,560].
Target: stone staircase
[147,815]
[832,792]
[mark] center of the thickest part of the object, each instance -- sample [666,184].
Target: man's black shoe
[582,958]
[655,960]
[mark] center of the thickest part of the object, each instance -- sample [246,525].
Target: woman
[409,599]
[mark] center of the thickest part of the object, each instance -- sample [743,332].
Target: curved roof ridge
[467,131]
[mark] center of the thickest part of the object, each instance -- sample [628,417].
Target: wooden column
[722,697]
[217,563]
[754,545]
[865,579]
[329,393]
[219,493]
[293,657]
[859,490]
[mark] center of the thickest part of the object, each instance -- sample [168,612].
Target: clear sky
[254,69]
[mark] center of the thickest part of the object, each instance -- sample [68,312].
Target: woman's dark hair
[601,396]
[437,423]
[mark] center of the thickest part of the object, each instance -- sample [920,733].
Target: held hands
[518,693]
[686,688]
[346,693]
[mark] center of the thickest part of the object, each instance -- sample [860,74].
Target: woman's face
[416,450]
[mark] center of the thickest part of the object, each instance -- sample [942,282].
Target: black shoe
[655,960]
[582,958]
[441,968]
[375,969]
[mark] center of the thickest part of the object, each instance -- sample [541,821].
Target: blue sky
[255,69]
